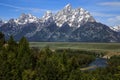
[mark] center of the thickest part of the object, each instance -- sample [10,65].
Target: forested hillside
[20,62]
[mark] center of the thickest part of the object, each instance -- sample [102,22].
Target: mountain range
[67,25]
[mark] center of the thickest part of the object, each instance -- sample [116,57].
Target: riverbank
[97,63]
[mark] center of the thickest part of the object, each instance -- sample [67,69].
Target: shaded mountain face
[68,24]
[44,34]
[18,31]
[1,22]
[94,32]
[62,33]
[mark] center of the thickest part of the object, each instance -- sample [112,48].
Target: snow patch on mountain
[28,25]
[47,16]
[26,18]
[74,17]
[116,28]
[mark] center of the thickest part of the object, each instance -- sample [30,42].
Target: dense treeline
[20,62]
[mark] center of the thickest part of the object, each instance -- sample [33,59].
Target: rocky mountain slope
[116,28]
[68,24]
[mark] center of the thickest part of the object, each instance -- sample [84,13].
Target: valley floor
[110,48]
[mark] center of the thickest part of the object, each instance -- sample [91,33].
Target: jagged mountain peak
[68,24]
[47,15]
[26,18]
[74,17]
[48,18]
[68,7]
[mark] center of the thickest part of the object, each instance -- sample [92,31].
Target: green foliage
[28,75]
[23,46]
[15,60]
[2,39]
[20,62]
[114,61]
[12,45]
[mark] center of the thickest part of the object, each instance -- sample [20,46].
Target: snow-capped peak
[47,16]
[74,17]
[68,7]
[26,18]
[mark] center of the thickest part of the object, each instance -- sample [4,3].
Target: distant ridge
[68,24]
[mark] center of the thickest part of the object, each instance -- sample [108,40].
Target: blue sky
[104,11]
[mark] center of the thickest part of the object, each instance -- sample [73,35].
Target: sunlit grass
[114,47]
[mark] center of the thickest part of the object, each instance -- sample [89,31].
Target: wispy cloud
[113,4]
[34,10]
[107,18]
[114,20]
[98,14]
[11,6]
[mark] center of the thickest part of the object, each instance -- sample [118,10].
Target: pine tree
[11,41]
[12,45]
[2,39]
[24,54]
[23,46]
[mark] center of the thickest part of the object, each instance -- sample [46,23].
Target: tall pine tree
[24,54]
[12,45]
[2,39]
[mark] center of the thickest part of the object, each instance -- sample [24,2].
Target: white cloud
[107,18]
[34,10]
[114,20]
[113,4]
[7,5]
[98,14]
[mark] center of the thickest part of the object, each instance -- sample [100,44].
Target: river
[98,63]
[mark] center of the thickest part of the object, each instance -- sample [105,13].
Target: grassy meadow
[114,47]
